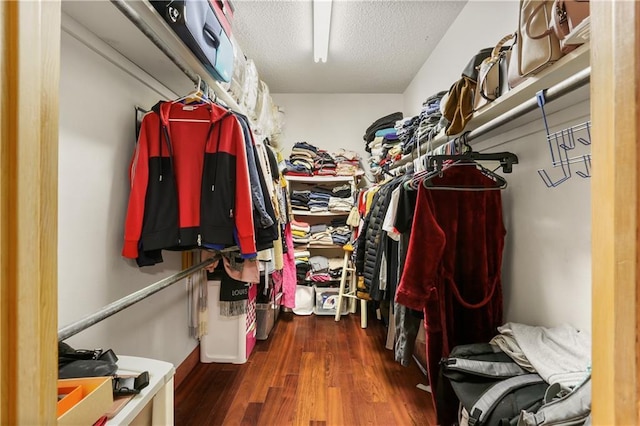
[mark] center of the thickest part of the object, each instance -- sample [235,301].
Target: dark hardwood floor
[311,371]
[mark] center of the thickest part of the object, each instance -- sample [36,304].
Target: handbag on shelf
[537,46]
[492,74]
[458,107]
[567,15]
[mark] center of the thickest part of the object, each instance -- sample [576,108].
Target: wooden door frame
[29,85]
[615,106]
[28,209]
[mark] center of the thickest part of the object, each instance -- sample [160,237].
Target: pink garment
[289,271]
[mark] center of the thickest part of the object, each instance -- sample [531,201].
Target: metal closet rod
[123,303]
[555,92]
[136,20]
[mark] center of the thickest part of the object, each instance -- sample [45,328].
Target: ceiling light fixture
[321,28]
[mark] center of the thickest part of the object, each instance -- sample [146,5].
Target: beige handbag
[537,45]
[492,74]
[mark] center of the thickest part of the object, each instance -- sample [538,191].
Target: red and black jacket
[189,182]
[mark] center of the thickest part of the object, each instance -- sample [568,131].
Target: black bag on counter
[74,363]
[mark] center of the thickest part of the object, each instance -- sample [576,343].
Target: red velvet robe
[453,265]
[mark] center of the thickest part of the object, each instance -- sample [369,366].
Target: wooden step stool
[349,274]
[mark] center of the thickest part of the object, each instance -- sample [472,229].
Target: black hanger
[506,159]
[436,165]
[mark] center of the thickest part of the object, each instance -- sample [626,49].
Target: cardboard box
[85,400]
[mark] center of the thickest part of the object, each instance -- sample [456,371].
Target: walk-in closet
[425,214]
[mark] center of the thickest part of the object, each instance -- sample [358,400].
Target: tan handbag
[458,107]
[568,14]
[492,74]
[537,45]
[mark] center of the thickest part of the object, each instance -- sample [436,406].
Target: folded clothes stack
[300,232]
[319,201]
[347,163]
[302,158]
[406,131]
[339,221]
[300,200]
[385,122]
[430,122]
[319,271]
[320,227]
[341,235]
[340,204]
[342,191]
[335,267]
[324,165]
[385,140]
[302,267]
[321,239]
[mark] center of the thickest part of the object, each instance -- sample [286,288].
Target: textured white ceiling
[375,46]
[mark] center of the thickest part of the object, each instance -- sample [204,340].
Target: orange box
[85,400]
[71,395]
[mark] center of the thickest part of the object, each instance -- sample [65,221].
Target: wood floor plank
[215,399]
[311,371]
[335,404]
[252,414]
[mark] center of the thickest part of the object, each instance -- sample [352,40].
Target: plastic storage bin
[305,300]
[327,301]
[230,339]
[266,317]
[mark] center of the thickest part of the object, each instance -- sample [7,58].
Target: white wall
[547,258]
[97,136]
[332,121]
[480,24]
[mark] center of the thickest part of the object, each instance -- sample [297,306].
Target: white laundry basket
[305,300]
[230,339]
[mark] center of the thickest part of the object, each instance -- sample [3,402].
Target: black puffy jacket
[371,242]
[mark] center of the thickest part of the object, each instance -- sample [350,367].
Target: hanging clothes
[371,242]
[407,320]
[181,148]
[264,220]
[453,266]
[289,279]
